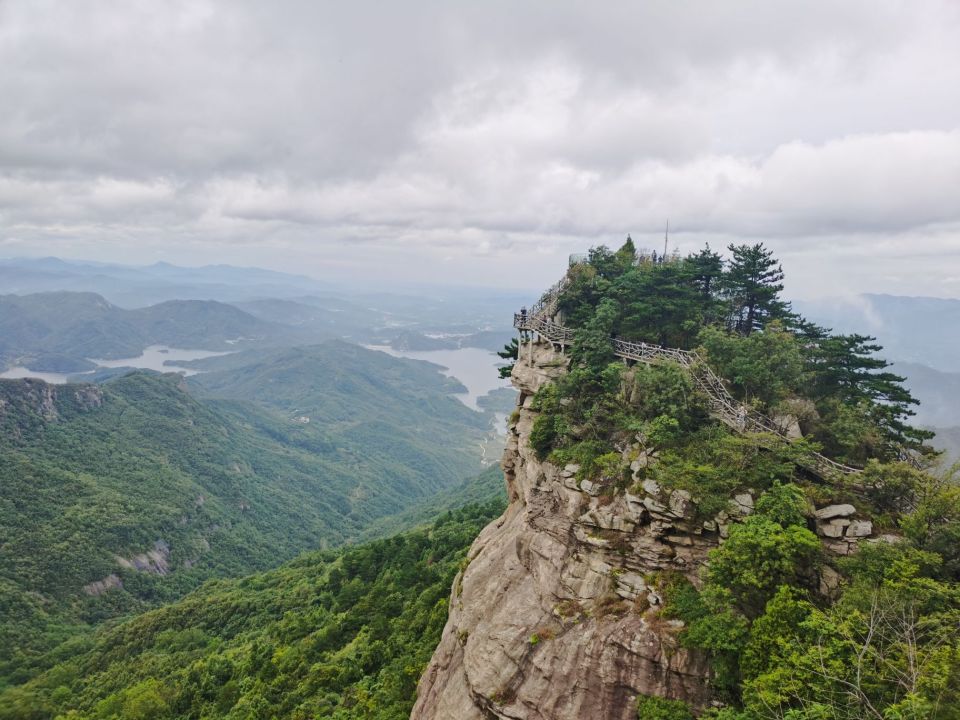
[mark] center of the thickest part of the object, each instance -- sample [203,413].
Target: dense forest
[881,644]
[332,634]
[347,633]
[141,487]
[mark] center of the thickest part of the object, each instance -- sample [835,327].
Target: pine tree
[848,367]
[627,254]
[706,268]
[511,351]
[752,285]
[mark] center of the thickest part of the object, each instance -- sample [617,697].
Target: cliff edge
[552,617]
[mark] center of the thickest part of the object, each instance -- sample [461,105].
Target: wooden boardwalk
[723,406]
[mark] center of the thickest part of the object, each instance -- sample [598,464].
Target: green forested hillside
[338,635]
[94,480]
[487,487]
[58,331]
[391,407]
[794,629]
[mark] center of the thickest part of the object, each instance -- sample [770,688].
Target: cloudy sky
[480,143]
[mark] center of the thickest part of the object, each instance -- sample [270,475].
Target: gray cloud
[475,140]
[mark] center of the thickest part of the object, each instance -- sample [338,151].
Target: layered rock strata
[555,616]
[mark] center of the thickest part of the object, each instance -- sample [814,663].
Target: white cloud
[490,136]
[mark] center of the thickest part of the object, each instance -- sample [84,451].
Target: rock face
[29,397]
[552,619]
[99,587]
[156,561]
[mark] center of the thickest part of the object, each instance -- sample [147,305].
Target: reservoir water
[475,368]
[162,359]
[156,357]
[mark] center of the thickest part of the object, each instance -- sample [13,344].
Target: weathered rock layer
[552,619]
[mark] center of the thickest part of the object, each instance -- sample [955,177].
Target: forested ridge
[790,630]
[60,331]
[120,497]
[880,640]
[333,634]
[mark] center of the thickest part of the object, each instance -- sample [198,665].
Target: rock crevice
[549,620]
[556,616]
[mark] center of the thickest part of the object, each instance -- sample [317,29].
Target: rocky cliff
[556,614]
[552,618]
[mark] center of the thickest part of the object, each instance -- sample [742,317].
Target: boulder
[655,507]
[742,504]
[591,488]
[832,528]
[833,511]
[838,547]
[859,529]
[829,581]
[680,503]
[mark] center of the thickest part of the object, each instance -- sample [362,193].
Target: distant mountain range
[921,335]
[308,310]
[139,286]
[59,331]
[919,330]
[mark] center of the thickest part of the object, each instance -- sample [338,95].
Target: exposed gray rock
[569,566]
[832,511]
[829,581]
[832,528]
[156,561]
[742,504]
[886,538]
[859,529]
[840,547]
[643,460]
[680,504]
[589,487]
[575,578]
[99,587]
[789,425]
[655,507]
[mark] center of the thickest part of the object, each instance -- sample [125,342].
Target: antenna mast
[666,238]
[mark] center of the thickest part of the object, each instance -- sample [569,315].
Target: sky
[481,143]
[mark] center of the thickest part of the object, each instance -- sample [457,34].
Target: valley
[479,361]
[214,479]
[275,519]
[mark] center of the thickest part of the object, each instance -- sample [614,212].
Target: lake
[162,359]
[152,358]
[474,367]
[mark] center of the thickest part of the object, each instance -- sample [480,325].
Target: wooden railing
[723,405]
